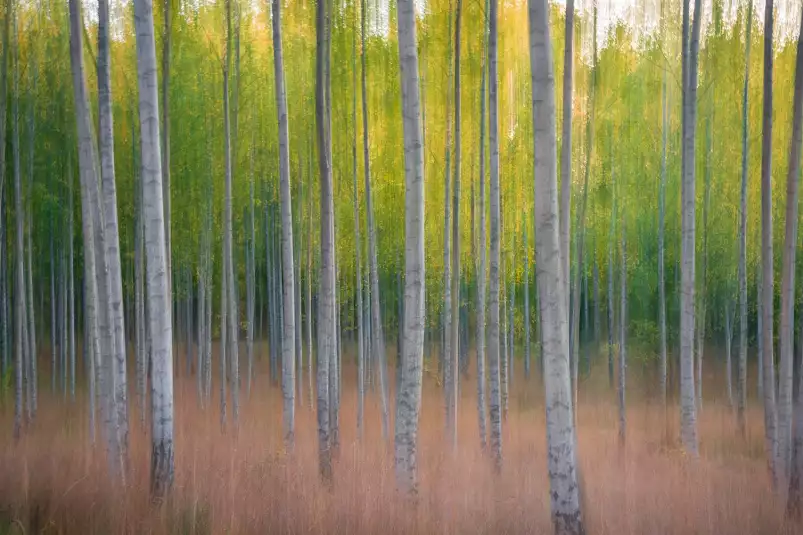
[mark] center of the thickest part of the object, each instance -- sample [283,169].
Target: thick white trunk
[688,411]
[408,405]
[561,444]
[158,297]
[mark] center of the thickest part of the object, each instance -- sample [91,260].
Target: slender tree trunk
[446,351]
[53,328]
[767,291]
[299,237]
[19,290]
[495,404]
[503,353]
[728,362]
[228,238]
[661,231]
[4,253]
[481,388]
[326,301]
[201,321]
[106,138]
[455,319]
[702,300]
[158,297]
[526,304]
[139,284]
[408,405]
[597,319]
[688,413]
[31,308]
[741,384]
[511,345]
[566,150]
[377,331]
[623,338]
[786,329]
[250,271]
[358,246]
[288,282]
[562,463]
[94,241]
[794,506]
[309,281]
[166,47]
[581,221]
[611,311]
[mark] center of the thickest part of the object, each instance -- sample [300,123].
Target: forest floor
[241,480]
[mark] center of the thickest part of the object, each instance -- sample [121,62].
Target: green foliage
[634,58]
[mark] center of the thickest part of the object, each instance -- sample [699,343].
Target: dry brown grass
[52,481]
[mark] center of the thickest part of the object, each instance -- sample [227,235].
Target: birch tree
[326,302]
[112,240]
[455,319]
[19,290]
[95,256]
[787,311]
[495,402]
[566,149]
[358,241]
[662,223]
[688,413]
[741,384]
[377,332]
[481,389]
[288,282]
[795,498]
[562,463]
[767,307]
[166,49]
[408,405]
[158,298]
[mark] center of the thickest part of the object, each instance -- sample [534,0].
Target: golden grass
[242,481]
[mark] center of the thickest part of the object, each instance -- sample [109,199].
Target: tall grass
[241,481]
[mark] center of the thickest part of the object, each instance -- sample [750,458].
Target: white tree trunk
[112,240]
[158,297]
[495,402]
[455,282]
[357,240]
[408,404]
[94,248]
[741,384]
[566,150]
[791,468]
[661,231]
[377,354]
[19,276]
[232,317]
[622,384]
[326,301]
[288,281]
[728,362]
[767,281]
[481,389]
[565,499]
[688,412]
